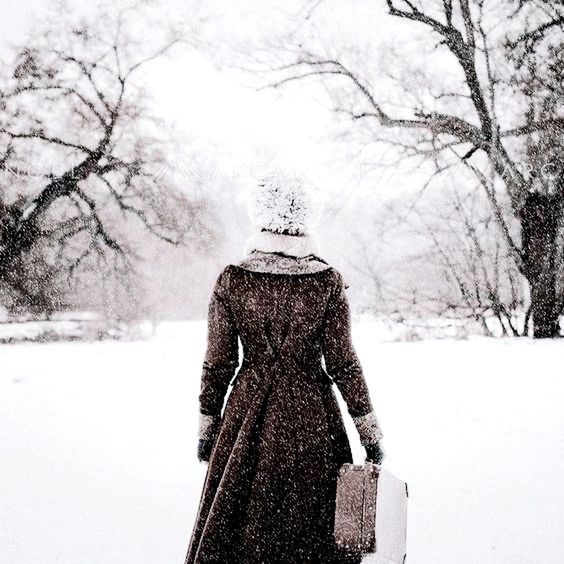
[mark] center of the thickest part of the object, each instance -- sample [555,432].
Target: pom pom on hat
[286,203]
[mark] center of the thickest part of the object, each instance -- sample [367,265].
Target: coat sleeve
[343,366]
[221,357]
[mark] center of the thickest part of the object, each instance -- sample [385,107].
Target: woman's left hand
[375,453]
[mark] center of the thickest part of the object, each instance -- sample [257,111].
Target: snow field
[98,442]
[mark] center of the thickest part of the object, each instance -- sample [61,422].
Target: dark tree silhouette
[81,151]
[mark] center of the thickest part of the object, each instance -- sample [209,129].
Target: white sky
[203,101]
[294,125]
[240,119]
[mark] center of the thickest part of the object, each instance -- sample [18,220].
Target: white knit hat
[284,202]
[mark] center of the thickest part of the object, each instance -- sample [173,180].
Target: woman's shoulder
[296,268]
[282,264]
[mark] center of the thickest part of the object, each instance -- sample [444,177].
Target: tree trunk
[545,313]
[541,216]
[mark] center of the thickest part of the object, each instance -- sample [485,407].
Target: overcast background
[235,131]
[122,196]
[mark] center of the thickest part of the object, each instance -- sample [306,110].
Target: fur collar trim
[276,263]
[277,253]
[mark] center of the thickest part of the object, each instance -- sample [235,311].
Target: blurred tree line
[90,183]
[462,98]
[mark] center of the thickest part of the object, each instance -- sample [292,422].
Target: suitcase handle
[378,466]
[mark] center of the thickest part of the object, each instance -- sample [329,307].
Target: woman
[273,457]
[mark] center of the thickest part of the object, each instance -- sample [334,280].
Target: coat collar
[290,245]
[277,253]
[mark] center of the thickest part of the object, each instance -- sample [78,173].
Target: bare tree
[81,151]
[493,107]
[482,279]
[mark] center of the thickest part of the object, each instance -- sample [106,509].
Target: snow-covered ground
[98,441]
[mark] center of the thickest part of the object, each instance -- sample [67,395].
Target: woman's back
[280,316]
[282,438]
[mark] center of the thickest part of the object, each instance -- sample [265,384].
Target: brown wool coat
[269,491]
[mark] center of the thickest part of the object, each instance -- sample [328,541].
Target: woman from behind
[275,448]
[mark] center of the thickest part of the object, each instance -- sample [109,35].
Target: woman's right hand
[208,428]
[204,450]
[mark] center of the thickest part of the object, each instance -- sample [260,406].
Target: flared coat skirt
[269,490]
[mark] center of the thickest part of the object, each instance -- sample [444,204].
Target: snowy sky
[294,124]
[202,101]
